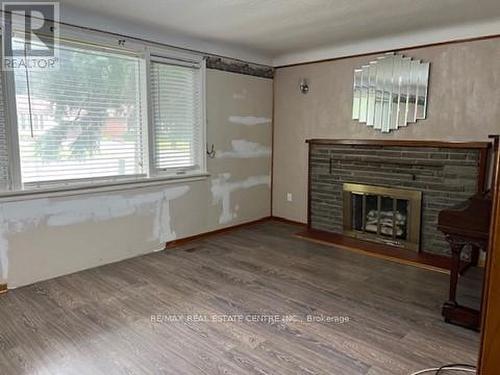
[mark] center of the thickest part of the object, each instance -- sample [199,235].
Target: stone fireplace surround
[447,173]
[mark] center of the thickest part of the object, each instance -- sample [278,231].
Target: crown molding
[391,43]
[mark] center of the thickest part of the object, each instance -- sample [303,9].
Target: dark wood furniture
[489,360]
[465,225]
[471,224]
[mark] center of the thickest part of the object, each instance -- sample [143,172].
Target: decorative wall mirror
[390,92]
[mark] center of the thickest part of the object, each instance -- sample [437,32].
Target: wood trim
[3,288]
[482,179]
[424,260]
[288,221]
[401,143]
[272,149]
[183,241]
[309,187]
[489,361]
[437,44]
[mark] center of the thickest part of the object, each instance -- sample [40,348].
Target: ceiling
[274,29]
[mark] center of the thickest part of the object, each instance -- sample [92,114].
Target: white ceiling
[285,31]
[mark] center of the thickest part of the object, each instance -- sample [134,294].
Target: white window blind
[82,121]
[177,116]
[4,154]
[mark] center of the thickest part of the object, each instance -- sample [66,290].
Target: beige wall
[464,104]
[48,237]
[45,238]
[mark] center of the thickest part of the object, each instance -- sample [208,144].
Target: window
[88,121]
[81,121]
[4,153]
[177,120]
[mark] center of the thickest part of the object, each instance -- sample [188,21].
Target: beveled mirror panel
[390,92]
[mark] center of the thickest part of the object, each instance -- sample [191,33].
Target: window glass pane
[82,120]
[4,155]
[176,97]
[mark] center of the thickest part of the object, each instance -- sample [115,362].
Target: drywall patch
[244,149]
[221,192]
[16,217]
[163,224]
[249,120]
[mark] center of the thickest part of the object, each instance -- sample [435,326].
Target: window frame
[147,53]
[186,60]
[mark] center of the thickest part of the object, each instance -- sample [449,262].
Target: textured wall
[445,177]
[463,105]
[47,237]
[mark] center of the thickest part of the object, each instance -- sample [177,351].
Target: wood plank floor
[100,321]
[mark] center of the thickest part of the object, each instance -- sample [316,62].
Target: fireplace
[445,174]
[387,215]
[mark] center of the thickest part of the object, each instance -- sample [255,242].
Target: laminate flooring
[255,300]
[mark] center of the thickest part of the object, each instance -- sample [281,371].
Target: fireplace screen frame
[414,213]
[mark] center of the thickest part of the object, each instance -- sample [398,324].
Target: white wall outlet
[289,197]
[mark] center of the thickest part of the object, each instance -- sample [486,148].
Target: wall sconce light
[304,86]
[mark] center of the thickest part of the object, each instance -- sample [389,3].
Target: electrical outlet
[289,197]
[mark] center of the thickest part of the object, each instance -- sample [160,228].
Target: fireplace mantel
[482,147]
[402,143]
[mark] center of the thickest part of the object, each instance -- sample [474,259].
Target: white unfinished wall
[49,237]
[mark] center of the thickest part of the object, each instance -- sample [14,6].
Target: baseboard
[288,221]
[183,241]
[3,288]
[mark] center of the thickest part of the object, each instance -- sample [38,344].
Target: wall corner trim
[183,241]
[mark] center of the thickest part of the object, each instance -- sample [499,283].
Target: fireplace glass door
[382,214]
